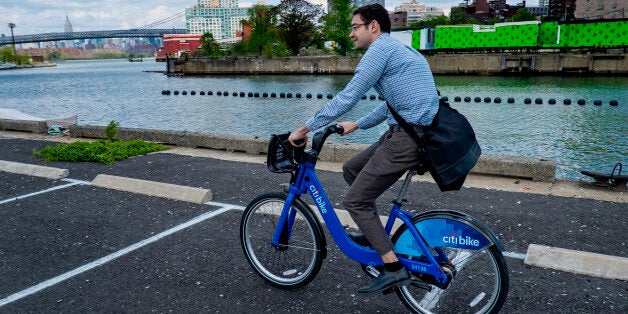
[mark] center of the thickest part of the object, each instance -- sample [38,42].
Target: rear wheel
[299,256]
[479,285]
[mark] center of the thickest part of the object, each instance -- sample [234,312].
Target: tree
[431,22]
[296,23]
[522,15]
[458,16]
[54,55]
[337,25]
[263,20]
[493,21]
[209,45]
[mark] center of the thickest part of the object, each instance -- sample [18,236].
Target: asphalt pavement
[70,246]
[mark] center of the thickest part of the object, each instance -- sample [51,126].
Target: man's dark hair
[375,12]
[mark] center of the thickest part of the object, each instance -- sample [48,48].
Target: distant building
[221,18]
[417,11]
[541,10]
[67,27]
[561,10]
[176,44]
[358,3]
[361,3]
[399,19]
[483,10]
[599,9]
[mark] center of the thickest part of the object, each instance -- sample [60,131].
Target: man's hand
[348,126]
[298,138]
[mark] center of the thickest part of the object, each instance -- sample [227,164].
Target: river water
[586,137]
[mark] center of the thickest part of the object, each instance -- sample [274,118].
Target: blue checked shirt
[399,73]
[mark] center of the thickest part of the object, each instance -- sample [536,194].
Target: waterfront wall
[471,64]
[293,65]
[536,169]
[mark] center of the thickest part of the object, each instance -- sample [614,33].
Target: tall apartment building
[219,17]
[600,9]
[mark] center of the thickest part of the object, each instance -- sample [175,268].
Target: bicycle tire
[289,266]
[480,283]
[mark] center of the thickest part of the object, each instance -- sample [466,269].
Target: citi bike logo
[460,240]
[318,199]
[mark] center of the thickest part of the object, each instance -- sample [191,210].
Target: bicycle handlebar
[319,138]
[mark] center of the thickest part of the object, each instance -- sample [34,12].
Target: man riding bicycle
[401,75]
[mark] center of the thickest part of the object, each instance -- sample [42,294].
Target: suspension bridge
[144,31]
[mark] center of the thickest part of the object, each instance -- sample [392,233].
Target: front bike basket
[282,156]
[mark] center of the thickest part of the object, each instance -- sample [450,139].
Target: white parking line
[515,255]
[230,206]
[110,257]
[54,188]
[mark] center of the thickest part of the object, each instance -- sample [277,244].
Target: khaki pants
[369,174]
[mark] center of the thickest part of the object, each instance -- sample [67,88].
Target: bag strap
[406,126]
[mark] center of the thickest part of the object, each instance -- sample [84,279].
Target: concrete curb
[579,262]
[34,170]
[536,169]
[152,188]
[23,125]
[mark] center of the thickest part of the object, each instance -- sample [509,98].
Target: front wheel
[298,258]
[480,276]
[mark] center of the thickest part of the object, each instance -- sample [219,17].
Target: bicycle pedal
[389,290]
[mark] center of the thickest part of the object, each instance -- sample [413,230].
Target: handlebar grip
[336,129]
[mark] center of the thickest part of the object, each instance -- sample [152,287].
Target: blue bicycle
[455,260]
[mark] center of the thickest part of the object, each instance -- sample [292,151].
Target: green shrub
[102,151]
[112,130]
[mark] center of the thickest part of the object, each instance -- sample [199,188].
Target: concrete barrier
[34,170]
[25,126]
[152,188]
[535,169]
[579,262]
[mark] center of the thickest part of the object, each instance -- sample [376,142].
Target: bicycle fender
[467,219]
[447,228]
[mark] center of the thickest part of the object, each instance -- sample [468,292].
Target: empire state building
[67,27]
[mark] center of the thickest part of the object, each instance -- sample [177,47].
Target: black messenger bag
[448,145]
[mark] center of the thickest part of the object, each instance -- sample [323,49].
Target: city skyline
[41,16]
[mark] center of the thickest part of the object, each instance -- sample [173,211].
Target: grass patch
[102,151]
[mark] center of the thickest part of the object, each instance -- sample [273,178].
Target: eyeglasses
[356,26]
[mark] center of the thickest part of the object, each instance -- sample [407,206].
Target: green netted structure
[594,34]
[548,35]
[486,36]
[533,34]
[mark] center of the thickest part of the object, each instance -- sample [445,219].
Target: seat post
[404,188]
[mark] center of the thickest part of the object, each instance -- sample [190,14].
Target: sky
[44,16]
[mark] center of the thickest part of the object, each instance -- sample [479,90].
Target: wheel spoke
[479,282]
[289,265]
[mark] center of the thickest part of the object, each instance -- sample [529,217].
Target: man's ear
[374,26]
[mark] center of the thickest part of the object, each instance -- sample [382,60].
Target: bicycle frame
[306,181]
